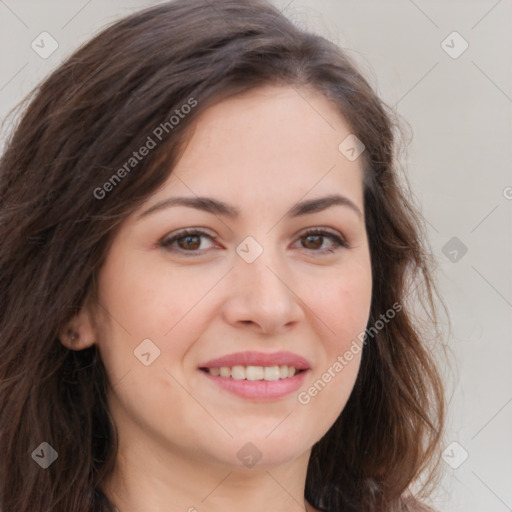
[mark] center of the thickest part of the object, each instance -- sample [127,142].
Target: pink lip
[261,390]
[252,358]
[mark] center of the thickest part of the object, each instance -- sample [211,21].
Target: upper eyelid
[206,232]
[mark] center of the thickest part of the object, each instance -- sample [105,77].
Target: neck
[306,508]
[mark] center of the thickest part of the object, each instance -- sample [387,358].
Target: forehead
[275,143]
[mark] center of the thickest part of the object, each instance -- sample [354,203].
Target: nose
[262,295]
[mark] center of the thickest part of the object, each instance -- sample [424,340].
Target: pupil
[187,239]
[314,236]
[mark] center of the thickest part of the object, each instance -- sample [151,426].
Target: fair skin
[261,152]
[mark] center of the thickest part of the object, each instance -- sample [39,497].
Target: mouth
[257,375]
[267,373]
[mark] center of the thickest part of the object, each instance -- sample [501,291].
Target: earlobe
[79,332]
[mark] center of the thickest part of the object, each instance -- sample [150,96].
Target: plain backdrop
[455,92]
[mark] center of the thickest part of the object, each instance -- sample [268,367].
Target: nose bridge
[262,291]
[259,265]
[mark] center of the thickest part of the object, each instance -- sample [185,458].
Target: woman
[207,278]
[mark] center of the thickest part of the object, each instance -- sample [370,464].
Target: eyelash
[339,242]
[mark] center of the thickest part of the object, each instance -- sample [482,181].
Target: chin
[263,451]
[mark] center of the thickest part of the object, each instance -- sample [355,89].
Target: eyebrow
[220,208]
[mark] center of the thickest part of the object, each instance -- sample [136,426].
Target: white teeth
[238,372]
[225,371]
[254,373]
[269,373]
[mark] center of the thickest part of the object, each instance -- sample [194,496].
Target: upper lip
[253,358]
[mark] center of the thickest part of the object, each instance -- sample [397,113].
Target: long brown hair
[81,126]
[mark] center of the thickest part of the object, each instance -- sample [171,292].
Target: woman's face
[254,290]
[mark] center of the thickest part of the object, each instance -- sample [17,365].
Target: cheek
[343,304]
[353,299]
[136,305]
[143,299]
[347,310]
[343,309]
[140,303]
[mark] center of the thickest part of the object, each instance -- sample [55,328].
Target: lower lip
[259,389]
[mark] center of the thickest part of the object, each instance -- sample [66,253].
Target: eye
[189,241]
[313,236]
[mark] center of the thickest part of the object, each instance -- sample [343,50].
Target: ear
[79,332]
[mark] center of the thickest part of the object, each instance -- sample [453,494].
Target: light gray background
[459,165]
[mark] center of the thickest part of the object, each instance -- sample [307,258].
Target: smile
[257,375]
[268,373]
